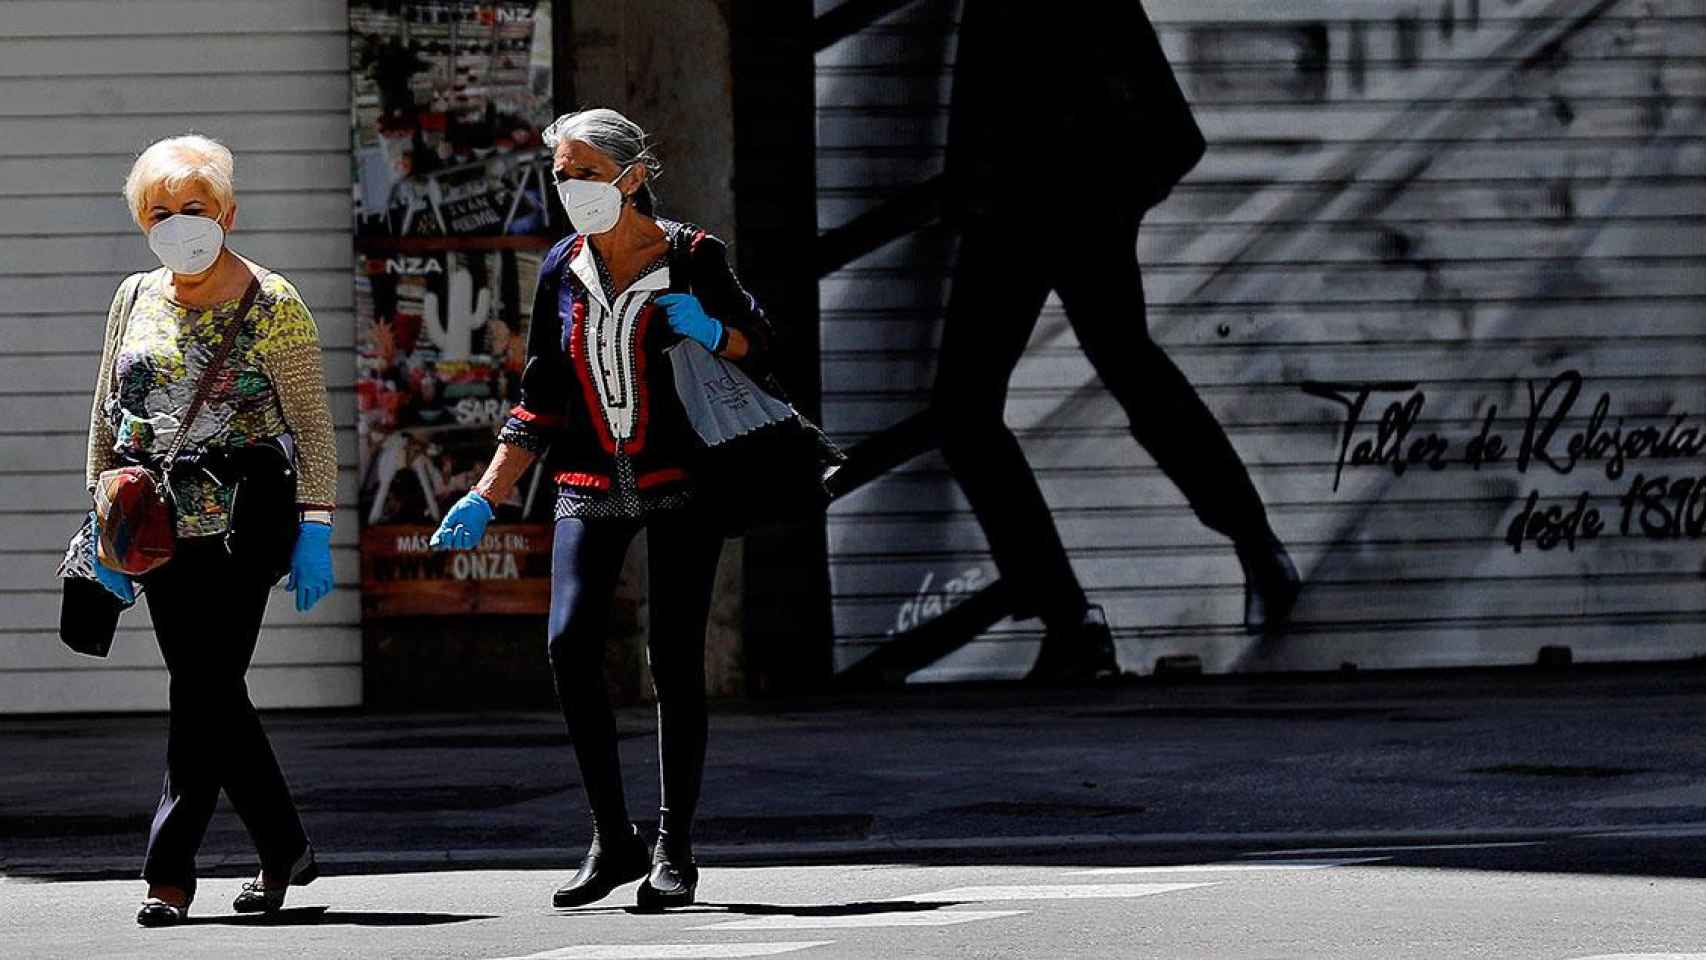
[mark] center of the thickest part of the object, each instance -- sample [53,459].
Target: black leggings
[586,560]
[207,610]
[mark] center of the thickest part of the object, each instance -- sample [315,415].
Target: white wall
[84,86]
[1468,193]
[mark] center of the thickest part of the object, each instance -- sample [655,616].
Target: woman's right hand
[465,525]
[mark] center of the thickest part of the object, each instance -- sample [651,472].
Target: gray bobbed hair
[615,136]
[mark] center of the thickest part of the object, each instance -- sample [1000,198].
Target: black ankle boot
[1083,653]
[674,878]
[1271,585]
[609,863]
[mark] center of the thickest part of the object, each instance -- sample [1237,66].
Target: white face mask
[593,206]
[187,244]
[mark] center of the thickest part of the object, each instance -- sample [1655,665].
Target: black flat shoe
[159,913]
[673,881]
[257,897]
[1083,654]
[606,866]
[1271,586]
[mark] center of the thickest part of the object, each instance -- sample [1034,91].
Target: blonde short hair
[176,161]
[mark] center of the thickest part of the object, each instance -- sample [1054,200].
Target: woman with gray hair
[599,403]
[211,377]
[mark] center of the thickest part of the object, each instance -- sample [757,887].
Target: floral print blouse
[271,387]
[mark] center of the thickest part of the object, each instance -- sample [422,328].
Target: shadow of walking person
[324,917]
[858,909]
[1060,139]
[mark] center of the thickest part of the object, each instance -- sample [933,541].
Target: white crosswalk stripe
[948,917]
[932,918]
[1245,867]
[1046,891]
[673,951]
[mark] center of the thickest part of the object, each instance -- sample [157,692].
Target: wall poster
[451,185]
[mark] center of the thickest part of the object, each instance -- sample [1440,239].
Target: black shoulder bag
[758,460]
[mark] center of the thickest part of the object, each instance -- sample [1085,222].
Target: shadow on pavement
[1599,766]
[861,909]
[324,917]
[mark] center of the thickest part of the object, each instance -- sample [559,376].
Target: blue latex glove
[118,584]
[311,565]
[687,317]
[465,525]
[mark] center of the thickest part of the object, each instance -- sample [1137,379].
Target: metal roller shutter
[84,86]
[1467,195]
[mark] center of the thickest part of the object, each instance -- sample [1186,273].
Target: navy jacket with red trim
[558,415]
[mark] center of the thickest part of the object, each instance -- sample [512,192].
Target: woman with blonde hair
[217,348]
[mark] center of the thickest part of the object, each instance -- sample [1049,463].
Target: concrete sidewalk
[930,775]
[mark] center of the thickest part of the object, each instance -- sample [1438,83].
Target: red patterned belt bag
[133,504]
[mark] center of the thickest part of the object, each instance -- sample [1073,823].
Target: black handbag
[775,474]
[88,616]
[263,521]
[88,611]
[756,457]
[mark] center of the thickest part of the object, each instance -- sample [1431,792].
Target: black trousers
[586,562]
[1000,283]
[207,610]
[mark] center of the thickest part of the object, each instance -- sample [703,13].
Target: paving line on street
[933,918]
[1250,866]
[1399,847]
[1050,891]
[672,951]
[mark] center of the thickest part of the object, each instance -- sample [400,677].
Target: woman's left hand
[311,565]
[687,317]
[116,583]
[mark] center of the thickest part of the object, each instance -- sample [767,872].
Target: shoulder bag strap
[205,384]
[683,240]
[118,335]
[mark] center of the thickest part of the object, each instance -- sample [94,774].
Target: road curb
[881,848]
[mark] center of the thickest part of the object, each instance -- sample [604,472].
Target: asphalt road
[1548,899]
[1514,750]
[943,823]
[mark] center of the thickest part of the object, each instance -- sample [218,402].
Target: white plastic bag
[721,401]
